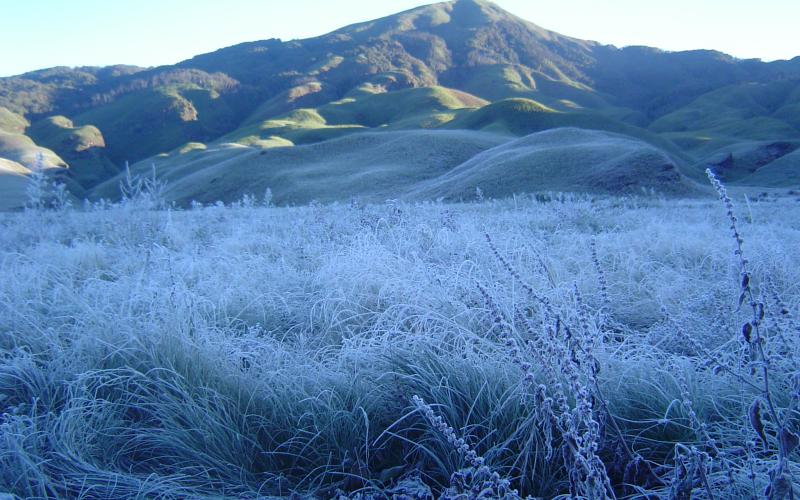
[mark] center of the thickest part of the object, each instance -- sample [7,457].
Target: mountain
[459,65]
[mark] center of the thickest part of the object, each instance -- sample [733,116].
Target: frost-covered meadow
[552,345]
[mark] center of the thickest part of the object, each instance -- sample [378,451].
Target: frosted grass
[255,352]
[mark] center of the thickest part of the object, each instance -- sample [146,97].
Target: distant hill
[13,181]
[21,149]
[370,166]
[781,172]
[82,147]
[459,65]
[12,122]
[735,113]
[415,164]
[564,159]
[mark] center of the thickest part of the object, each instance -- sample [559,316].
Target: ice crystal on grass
[253,351]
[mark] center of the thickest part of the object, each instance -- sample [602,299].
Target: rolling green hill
[148,122]
[782,172]
[13,181]
[374,166]
[417,108]
[760,111]
[12,122]
[742,159]
[520,117]
[82,147]
[19,154]
[21,149]
[458,65]
[564,159]
[371,166]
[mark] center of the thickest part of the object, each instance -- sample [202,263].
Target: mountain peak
[461,13]
[477,12]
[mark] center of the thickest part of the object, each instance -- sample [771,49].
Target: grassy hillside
[61,131]
[18,155]
[149,122]
[83,148]
[434,107]
[429,164]
[502,81]
[12,122]
[21,149]
[13,182]
[754,111]
[300,126]
[140,112]
[410,108]
[306,95]
[510,116]
[524,116]
[737,161]
[362,109]
[566,159]
[369,166]
[782,172]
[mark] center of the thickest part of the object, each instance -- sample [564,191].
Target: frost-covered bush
[142,191]
[43,192]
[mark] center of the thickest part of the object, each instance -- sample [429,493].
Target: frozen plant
[43,192]
[145,192]
[475,482]
[761,374]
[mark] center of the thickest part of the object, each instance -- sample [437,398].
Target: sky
[39,34]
